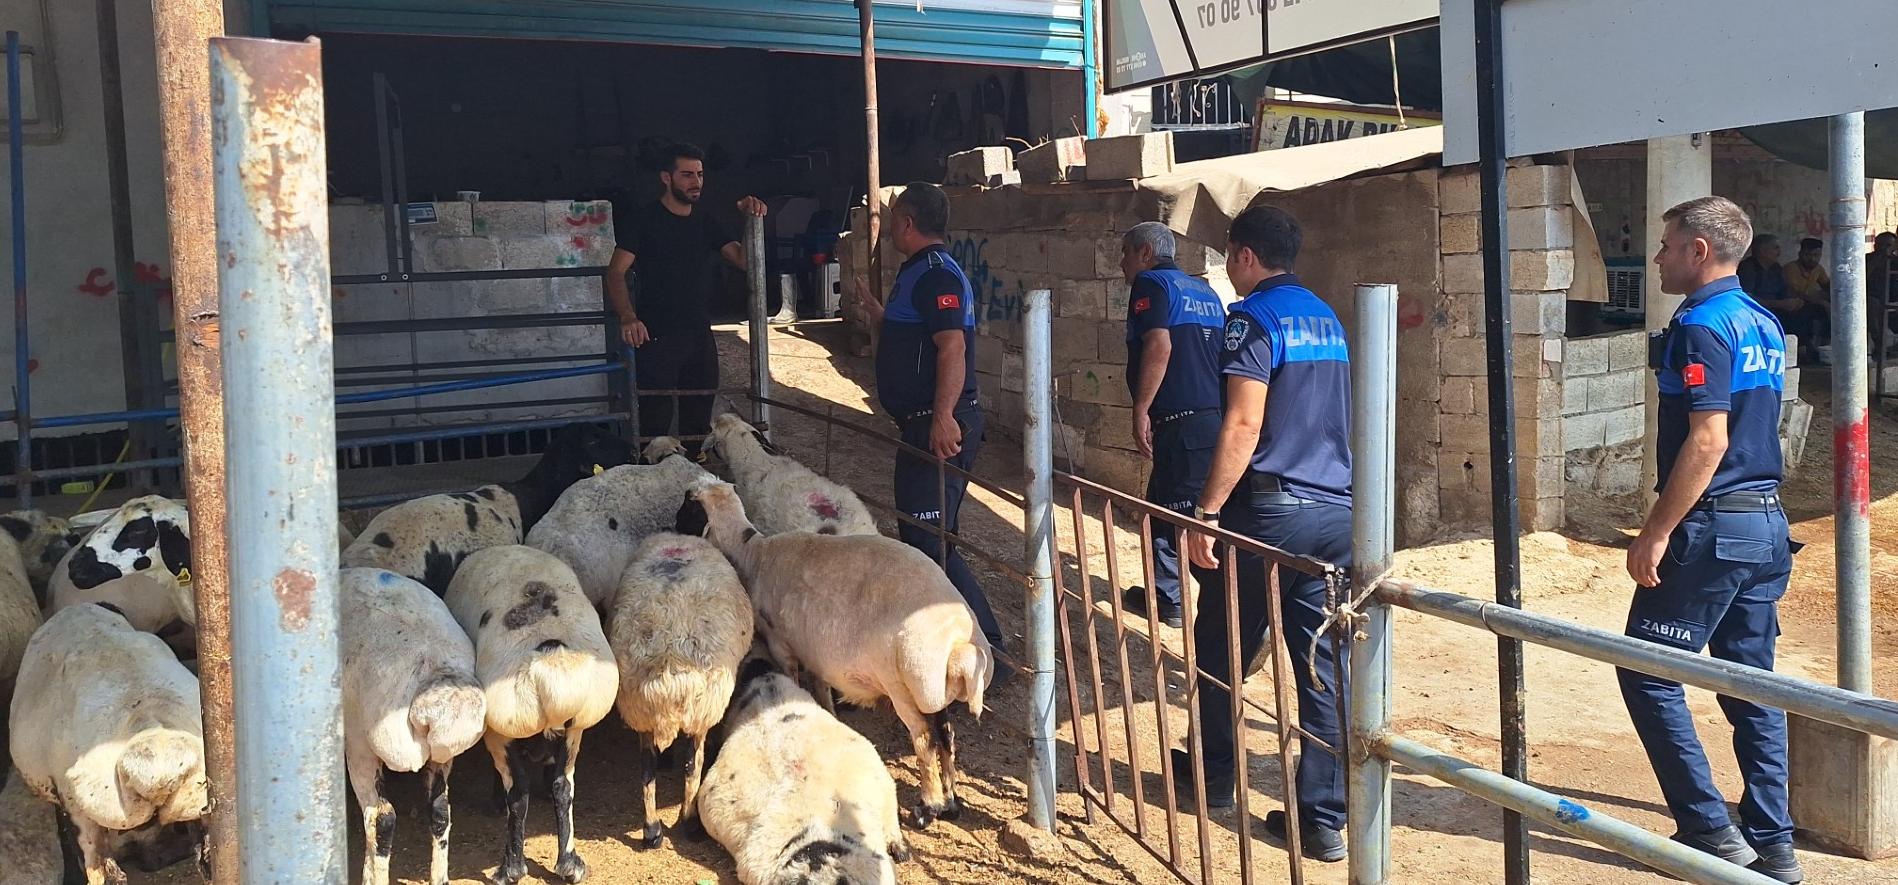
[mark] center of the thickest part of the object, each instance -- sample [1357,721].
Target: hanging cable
[1397,86]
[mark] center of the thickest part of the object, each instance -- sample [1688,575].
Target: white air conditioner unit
[1626,297]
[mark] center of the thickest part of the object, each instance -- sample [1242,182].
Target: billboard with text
[1158,41]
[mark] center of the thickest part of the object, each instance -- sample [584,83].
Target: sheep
[780,493]
[410,703]
[597,524]
[679,628]
[428,538]
[549,675]
[869,616]
[796,795]
[110,732]
[137,560]
[29,838]
[44,541]
[19,618]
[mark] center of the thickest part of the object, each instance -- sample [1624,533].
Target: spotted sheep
[110,732]
[798,796]
[428,538]
[43,540]
[544,663]
[598,523]
[137,560]
[869,616]
[410,703]
[680,625]
[780,493]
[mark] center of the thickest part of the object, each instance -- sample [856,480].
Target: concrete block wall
[1604,414]
[474,237]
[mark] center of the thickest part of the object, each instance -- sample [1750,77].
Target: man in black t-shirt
[675,248]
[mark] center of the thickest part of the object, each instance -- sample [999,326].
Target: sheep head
[149,534]
[711,510]
[44,541]
[730,436]
[661,448]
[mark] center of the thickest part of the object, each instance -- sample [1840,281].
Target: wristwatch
[1201,514]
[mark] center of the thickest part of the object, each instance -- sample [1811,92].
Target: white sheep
[110,732]
[600,521]
[138,561]
[44,541]
[19,614]
[780,493]
[427,539]
[797,796]
[548,671]
[410,703]
[29,838]
[870,616]
[679,627]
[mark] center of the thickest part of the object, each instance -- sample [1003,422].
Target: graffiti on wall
[99,283]
[995,300]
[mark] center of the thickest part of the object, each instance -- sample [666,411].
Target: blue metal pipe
[280,427]
[22,383]
[1090,69]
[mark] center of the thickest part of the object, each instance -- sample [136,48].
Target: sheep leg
[378,817]
[513,772]
[100,867]
[436,775]
[928,770]
[566,756]
[945,734]
[694,767]
[652,837]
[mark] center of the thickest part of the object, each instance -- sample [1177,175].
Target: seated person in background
[1807,280]
[1878,265]
[1761,277]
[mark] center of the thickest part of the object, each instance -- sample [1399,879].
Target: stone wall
[1604,414]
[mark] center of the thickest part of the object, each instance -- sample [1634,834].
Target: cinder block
[1541,271]
[1118,292]
[588,218]
[1070,256]
[1628,350]
[988,359]
[1052,161]
[1585,356]
[1081,298]
[1457,472]
[1541,227]
[1549,478]
[1535,362]
[1116,469]
[547,251]
[1542,314]
[1197,258]
[1584,431]
[1844,788]
[1575,396]
[977,166]
[1615,390]
[1464,433]
[449,254]
[1545,514]
[576,293]
[1107,258]
[510,219]
[513,296]
[1026,249]
[1011,178]
[1130,156]
[1112,343]
[1462,357]
[1114,429]
[1075,342]
[1013,372]
[1792,351]
[1461,234]
[1624,425]
[1538,186]
[1100,383]
[1795,423]
[1463,274]
[1457,396]
[1459,192]
[1792,385]
[451,220]
[1539,397]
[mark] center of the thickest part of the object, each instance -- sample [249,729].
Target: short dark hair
[1811,243]
[1271,233]
[926,205]
[680,151]
[1885,237]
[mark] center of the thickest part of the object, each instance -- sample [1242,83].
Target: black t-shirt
[675,265]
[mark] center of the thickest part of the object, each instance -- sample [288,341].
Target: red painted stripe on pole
[1852,459]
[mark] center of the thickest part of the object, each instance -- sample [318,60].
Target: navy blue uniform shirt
[1286,337]
[1724,353]
[931,294]
[1168,298]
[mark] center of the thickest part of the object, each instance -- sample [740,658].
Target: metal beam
[1373,533]
[1038,527]
[1851,418]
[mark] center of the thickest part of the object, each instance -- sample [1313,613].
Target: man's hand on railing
[1199,548]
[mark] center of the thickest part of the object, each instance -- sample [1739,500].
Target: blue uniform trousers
[1310,528]
[1182,454]
[923,494]
[1721,580]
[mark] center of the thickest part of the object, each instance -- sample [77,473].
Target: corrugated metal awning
[1033,33]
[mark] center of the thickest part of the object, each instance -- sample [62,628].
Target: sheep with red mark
[598,524]
[109,732]
[410,703]
[679,627]
[780,493]
[544,662]
[428,538]
[870,616]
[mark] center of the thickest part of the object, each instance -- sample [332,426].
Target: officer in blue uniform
[1714,557]
[925,371]
[1281,474]
[1173,334]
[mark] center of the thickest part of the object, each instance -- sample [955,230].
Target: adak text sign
[1153,41]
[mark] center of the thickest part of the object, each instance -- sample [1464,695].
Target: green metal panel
[1039,33]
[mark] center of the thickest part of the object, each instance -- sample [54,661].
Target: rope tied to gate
[1347,619]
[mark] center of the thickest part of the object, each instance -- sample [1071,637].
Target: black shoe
[1218,787]
[1135,602]
[1318,843]
[1778,862]
[1725,843]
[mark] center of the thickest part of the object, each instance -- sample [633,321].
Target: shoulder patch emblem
[1694,374]
[1141,305]
[948,302]
[1237,328]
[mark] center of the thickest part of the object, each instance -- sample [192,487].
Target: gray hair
[1719,221]
[1153,235]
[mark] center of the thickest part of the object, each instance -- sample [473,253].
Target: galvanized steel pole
[1373,532]
[182,29]
[273,234]
[1851,438]
[760,321]
[1038,526]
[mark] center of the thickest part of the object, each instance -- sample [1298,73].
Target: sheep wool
[29,838]
[780,493]
[44,541]
[595,527]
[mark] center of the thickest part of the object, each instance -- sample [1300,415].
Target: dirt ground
[1583,746]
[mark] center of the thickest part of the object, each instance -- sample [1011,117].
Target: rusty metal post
[873,163]
[760,322]
[181,31]
[279,381]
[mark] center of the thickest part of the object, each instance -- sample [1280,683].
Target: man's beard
[684,196]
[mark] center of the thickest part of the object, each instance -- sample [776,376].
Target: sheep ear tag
[184,577]
[597,470]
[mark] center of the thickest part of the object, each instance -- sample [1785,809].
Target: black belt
[972,404]
[1166,419]
[1740,502]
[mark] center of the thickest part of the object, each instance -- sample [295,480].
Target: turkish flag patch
[1694,374]
[1142,305]
[948,302]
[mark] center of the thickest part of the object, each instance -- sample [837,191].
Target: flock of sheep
[517,616]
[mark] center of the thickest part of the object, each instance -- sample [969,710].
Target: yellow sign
[1283,124]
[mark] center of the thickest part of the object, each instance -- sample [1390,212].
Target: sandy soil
[1583,746]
